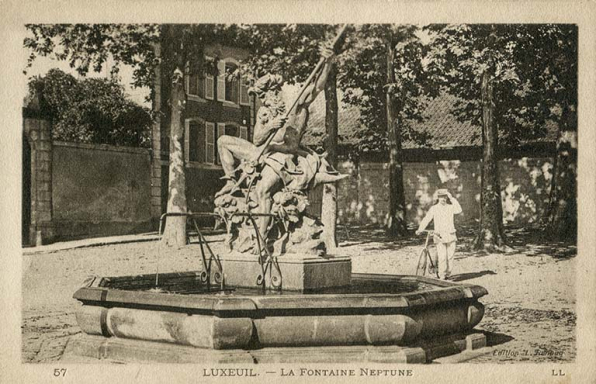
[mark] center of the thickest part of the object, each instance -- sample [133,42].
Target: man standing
[442,214]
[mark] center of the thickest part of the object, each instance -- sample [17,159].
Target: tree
[94,110]
[555,66]
[506,83]
[292,51]
[384,76]
[329,200]
[88,46]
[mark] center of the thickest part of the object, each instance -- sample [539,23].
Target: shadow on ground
[527,240]
[495,338]
[471,275]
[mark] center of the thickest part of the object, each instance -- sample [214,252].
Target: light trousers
[445,256]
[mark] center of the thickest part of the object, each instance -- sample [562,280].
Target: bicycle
[425,261]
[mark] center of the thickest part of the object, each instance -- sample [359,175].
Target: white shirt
[442,215]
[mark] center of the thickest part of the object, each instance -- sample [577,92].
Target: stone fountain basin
[373,310]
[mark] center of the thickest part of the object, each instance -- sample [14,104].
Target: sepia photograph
[281,200]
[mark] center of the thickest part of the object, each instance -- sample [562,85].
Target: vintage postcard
[298,191]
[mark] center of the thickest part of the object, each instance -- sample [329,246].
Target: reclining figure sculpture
[265,207]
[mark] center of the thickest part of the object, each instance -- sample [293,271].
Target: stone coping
[289,303]
[103,147]
[288,258]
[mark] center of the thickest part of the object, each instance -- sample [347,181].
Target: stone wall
[364,197]
[100,190]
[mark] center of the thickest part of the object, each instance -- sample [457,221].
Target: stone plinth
[297,272]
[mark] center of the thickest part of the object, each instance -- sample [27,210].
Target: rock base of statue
[296,272]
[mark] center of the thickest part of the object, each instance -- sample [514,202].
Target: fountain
[276,296]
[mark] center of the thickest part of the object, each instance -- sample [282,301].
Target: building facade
[217,104]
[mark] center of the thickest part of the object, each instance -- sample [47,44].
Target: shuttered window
[194,83]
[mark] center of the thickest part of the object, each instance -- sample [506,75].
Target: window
[232,130]
[230,87]
[232,83]
[194,141]
[200,143]
[199,84]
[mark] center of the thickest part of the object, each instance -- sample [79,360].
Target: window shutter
[186,140]
[244,133]
[209,82]
[243,91]
[210,143]
[221,130]
[221,80]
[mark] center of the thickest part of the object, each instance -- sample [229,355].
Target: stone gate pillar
[156,162]
[38,132]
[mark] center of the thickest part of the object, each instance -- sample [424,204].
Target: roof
[440,125]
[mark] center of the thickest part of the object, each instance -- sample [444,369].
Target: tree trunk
[561,218]
[175,229]
[491,235]
[329,203]
[396,223]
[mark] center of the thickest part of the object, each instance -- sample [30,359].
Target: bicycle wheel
[422,261]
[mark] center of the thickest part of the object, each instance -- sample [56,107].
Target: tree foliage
[87,47]
[291,50]
[364,82]
[527,80]
[93,110]
[531,69]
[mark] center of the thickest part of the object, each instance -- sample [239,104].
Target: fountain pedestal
[296,272]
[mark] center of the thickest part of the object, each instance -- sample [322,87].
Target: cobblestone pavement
[530,309]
